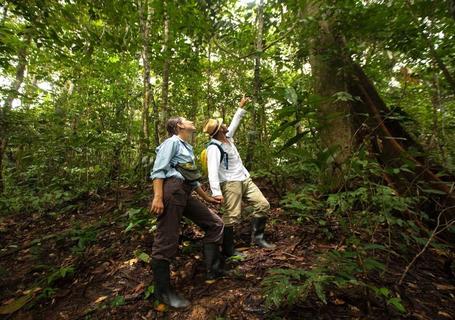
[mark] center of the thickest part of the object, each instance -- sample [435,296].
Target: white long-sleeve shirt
[217,171]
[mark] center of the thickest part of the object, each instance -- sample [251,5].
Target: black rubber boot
[212,261]
[228,243]
[162,282]
[257,234]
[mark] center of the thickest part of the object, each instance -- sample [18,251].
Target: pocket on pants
[178,198]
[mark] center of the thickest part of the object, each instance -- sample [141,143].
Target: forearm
[158,188]
[215,184]
[235,122]
[202,193]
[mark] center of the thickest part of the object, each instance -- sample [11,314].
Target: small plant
[118,301]
[61,273]
[83,238]
[142,256]
[58,274]
[284,287]
[140,218]
[149,292]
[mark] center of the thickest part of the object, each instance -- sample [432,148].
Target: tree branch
[280,38]
[433,234]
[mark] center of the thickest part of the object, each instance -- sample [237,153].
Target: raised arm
[237,117]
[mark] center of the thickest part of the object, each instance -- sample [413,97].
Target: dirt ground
[102,274]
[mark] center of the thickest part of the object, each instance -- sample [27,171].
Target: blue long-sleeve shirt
[172,151]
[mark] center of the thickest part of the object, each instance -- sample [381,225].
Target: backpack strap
[224,156]
[186,147]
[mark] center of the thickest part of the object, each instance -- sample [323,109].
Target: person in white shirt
[230,182]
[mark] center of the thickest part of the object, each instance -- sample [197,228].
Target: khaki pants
[234,192]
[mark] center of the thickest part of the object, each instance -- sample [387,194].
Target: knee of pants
[215,232]
[262,206]
[231,220]
[232,216]
[165,245]
[164,253]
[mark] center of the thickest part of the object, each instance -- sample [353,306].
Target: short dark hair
[171,125]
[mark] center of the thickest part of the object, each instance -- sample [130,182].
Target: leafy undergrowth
[91,262]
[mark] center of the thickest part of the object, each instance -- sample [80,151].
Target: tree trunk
[391,142]
[166,64]
[209,99]
[255,133]
[437,135]
[329,79]
[8,103]
[144,23]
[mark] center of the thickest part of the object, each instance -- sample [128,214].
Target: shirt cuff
[195,184]
[241,111]
[158,175]
[216,192]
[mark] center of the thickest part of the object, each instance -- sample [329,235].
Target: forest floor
[81,264]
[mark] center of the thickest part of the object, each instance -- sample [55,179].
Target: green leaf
[283,126]
[396,302]
[295,139]
[320,292]
[16,304]
[118,301]
[149,291]
[343,96]
[374,246]
[291,95]
[143,257]
[384,291]
[372,264]
[434,191]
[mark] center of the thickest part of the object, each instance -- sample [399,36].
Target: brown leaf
[161,307]
[139,288]
[444,314]
[100,299]
[440,286]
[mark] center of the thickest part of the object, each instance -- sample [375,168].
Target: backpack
[204,163]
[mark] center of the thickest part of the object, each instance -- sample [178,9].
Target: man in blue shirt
[174,179]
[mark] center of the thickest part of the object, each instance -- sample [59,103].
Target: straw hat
[212,126]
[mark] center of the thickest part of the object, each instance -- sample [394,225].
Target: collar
[178,138]
[217,141]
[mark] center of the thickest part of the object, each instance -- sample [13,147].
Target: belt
[178,179]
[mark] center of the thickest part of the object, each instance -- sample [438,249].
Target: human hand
[244,101]
[156,206]
[219,199]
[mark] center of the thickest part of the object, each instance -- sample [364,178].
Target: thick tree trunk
[255,134]
[329,79]
[166,65]
[8,103]
[390,142]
